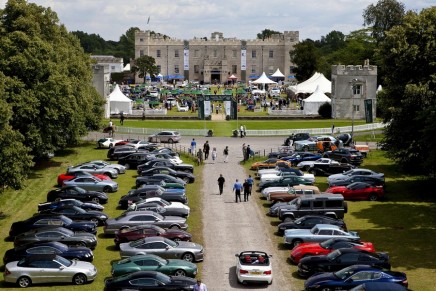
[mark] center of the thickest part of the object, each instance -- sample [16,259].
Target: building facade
[214,60]
[101,81]
[115,65]
[353,87]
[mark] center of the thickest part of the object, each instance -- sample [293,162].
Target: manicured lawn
[20,205]
[403,224]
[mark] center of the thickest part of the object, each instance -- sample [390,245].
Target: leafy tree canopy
[267,33]
[144,65]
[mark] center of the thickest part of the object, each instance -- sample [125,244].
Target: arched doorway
[215,76]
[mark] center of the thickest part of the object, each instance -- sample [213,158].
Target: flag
[148,20]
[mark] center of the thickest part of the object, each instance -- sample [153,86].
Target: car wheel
[24,282]
[188,257]
[373,197]
[177,239]
[171,140]
[109,175]
[107,189]
[180,273]
[186,179]
[296,243]
[288,218]
[96,221]
[58,199]
[305,168]
[81,244]
[174,227]
[344,161]
[96,200]
[111,145]
[305,149]
[326,289]
[79,279]
[312,171]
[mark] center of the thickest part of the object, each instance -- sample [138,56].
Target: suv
[331,205]
[132,161]
[343,155]
[296,137]
[293,192]
[165,136]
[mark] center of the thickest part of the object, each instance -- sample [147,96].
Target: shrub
[325,110]
[227,117]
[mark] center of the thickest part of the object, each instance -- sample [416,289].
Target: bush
[325,110]
[209,117]
[227,117]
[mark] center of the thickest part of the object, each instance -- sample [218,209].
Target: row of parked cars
[327,254]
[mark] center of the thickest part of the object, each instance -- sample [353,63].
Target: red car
[358,191]
[69,176]
[328,246]
[147,230]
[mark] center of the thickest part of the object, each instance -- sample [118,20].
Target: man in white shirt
[200,286]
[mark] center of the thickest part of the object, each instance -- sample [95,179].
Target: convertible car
[253,267]
[269,163]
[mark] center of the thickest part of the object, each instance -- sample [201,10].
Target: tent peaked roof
[264,80]
[233,77]
[309,86]
[317,96]
[117,95]
[277,74]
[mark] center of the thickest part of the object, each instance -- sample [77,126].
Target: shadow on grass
[112,248]
[411,190]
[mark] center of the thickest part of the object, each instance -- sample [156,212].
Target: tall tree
[305,55]
[383,16]
[127,44]
[408,98]
[144,65]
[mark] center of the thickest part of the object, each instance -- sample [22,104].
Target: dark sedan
[156,178]
[70,202]
[77,213]
[187,177]
[60,234]
[165,163]
[141,231]
[77,193]
[76,253]
[141,281]
[298,157]
[309,221]
[340,259]
[42,220]
[373,181]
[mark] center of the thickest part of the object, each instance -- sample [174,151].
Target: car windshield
[158,216]
[326,244]
[65,232]
[171,242]
[78,209]
[345,273]
[314,230]
[63,261]
[333,255]
[163,278]
[165,203]
[60,246]
[299,220]
[136,243]
[349,172]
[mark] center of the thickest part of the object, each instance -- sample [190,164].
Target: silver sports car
[95,169]
[48,268]
[120,168]
[93,184]
[164,248]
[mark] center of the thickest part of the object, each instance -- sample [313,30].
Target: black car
[149,280]
[295,137]
[70,202]
[133,160]
[20,252]
[340,259]
[117,152]
[187,177]
[309,221]
[43,220]
[60,234]
[169,151]
[77,213]
[344,155]
[78,193]
[156,178]
[165,163]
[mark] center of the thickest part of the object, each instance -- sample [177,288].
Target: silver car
[120,168]
[163,247]
[165,136]
[48,268]
[355,172]
[93,184]
[134,218]
[94,169]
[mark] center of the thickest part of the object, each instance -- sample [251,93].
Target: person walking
[221,182]
[250,182]
[244,152]
[199,286]
[206,149]
[245,130]
[199,157]
[248,152]
[193,146]
[122,119]
[246,187]
[214,155]
[226,154]
[237,187]
[241,131]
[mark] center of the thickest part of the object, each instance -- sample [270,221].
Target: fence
[285,112]
[149,112]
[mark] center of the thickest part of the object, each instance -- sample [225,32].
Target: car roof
[153,239]
[130,213]
[327,226]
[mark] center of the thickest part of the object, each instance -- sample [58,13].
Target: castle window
[356,108]
[271,54]
[176,53]
[159,68]
[235,53]
[141,40]
[215,53]
[253,54]
[253,69]
[141,53]
[357,90]
[176,69]
[196,69]
[158,53]
[234,69]
[271,70]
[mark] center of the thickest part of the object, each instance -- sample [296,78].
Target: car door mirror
[61,267]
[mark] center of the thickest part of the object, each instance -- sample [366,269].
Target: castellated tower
[351,86]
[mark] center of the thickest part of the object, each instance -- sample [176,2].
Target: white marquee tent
[310,85]
[263,79]
[314,101]
[118,102]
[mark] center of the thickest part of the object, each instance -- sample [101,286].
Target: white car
[107,142]
[120,168]
[154,93]
[265,192]
[137,143]
[253,267]
[274,92]
[165,204]
[277,175]
[305,165]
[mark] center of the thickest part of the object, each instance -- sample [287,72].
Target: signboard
[368,111]
[243,60]
[186,59]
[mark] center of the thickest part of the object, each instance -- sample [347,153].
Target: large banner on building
[368,111]
[186,60]
[207,108]
[243,60]
[227,105]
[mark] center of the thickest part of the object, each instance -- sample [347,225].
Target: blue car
[298,157]
[353,276]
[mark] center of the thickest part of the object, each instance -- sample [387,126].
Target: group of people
[238,187]
[203,154]
[247,152]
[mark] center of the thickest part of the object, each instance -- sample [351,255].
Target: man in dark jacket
[221,182]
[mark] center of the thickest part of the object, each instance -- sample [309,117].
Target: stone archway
[230,105]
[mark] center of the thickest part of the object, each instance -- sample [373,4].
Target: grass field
[403,224]
[22,204]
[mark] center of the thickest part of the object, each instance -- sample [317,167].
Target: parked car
[60,234]
[358,191]
[141,280]
[134,218]
[330,168]
[355,172]
[187,177]
[298,157]
[93,184]
[318,233]
[74,192]
[132,161]
[58,248]
[163,247]
[165,163]
[72,175]
[308,222]
[42,220]
[340,259]
[274,176]
[121,169]
[94,169]
[292,193]
[269,163]
[49,268]
[326,247]
[351,277]
[253,267]
[173,159]
[353,179]
[157,178]
[345,155]
[149,191]
[305,165]
[172,208]
[77,213]
[285,181]
[120,151]
[165,150]
[128,234]
[174,267]
[70,202]
[295,137]
[165,136]
[107,142]
[136,143]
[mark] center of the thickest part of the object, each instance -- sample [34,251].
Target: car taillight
[7,272]
[267,272]
[243,271]
[405,283]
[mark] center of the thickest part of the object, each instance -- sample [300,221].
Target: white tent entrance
[314,101]
[118,102]
[263,79]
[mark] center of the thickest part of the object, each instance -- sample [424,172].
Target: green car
[284,182]
[172,267]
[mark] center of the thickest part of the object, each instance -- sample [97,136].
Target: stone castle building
[214,60]
[353,88]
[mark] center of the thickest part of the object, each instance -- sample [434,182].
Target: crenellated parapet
[353,70]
